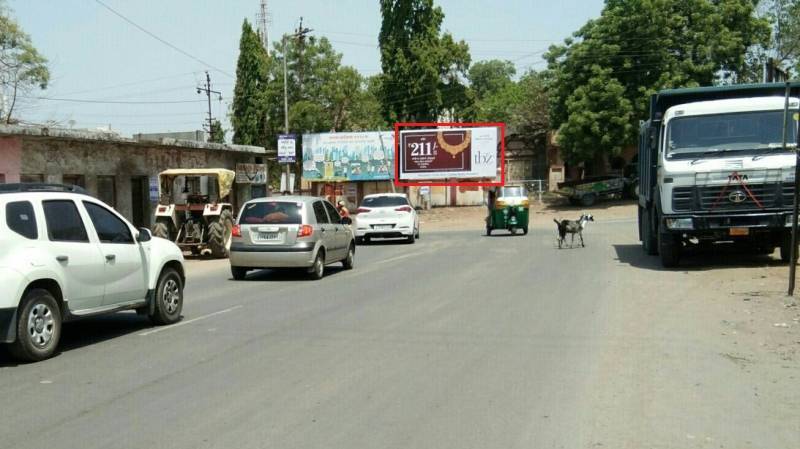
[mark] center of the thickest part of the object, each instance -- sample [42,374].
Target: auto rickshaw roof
[224,176]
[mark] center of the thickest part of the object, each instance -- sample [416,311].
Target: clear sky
[96,55]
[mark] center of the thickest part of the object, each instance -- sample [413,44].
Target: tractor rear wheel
[161,229]
[219,234]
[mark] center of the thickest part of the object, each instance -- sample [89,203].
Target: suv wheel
[169,298]
[38,327]
[238,273]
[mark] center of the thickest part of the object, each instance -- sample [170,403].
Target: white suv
[66,255]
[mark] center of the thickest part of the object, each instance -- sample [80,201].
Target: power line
[162,40]
[75,100]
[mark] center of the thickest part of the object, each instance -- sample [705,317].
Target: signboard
[367,156]
[153,189]
[448,153]
[251,173]
[424,190]
[287,148]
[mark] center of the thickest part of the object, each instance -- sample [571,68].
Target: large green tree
[249,109]
[633,49]
[423,69]
[22,67]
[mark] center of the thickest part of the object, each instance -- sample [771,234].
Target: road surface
[458,341]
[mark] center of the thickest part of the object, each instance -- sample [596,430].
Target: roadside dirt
[542,214]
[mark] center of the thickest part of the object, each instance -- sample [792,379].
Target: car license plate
[739,231]
[383,226]
[268,236]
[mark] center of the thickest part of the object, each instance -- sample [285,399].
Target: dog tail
[556,222]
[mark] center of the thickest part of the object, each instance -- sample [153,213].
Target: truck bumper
[721,224]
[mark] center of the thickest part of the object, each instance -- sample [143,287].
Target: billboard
[458,153]
[365,156]
[287,148]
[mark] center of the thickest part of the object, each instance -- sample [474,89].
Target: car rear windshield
[385,201]
[272,212]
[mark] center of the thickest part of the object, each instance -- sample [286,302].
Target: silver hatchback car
[290,231]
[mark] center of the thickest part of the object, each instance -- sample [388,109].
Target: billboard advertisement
[448,153]
[360,156]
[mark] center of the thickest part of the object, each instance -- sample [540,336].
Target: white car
[67,255]
[386,215]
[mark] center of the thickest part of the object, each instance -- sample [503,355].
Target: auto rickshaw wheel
[488,230]
[525,230]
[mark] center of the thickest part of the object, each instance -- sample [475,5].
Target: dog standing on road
[572,227]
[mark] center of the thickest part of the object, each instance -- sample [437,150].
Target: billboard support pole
[383,149]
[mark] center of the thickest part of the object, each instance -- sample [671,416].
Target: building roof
[99,136]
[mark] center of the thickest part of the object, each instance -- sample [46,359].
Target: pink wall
[11,158]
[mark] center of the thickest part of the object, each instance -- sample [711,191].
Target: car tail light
[162,208]
[362,210]
[236,231]
[404,209]
[305,231]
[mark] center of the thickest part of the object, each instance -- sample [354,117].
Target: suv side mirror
[144,235]
[347,220]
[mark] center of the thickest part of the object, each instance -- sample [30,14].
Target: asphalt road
[458,341]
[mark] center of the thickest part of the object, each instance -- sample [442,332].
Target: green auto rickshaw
[508,209]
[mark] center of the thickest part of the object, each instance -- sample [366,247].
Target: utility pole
[208,92]
[299,34]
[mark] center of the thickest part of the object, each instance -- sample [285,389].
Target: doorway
[140,204]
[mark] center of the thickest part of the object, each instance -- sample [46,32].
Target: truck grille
[707,198]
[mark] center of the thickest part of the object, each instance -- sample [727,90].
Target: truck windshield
[741,133]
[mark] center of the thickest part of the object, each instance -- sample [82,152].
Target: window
[319,213]
[333,213]
[31,178]
[21,219]
[385,201]
[106,190]
[74,180]
[64,223]
[272,212]
[110,229]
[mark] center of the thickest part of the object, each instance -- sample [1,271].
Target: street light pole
[793,247]
[285,105]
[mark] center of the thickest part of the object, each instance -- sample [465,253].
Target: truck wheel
[669,248]
[588,200]
[168,299]
[38,327]
[238,273]
[161,229]
[786,246]
[219,234]
[649,242]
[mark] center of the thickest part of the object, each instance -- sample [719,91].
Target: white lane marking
[404,256]
[183,323]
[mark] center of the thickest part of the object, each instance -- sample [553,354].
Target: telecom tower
[264,20]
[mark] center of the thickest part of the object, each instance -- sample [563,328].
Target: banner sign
[251,173]
[287,148]
[448,153]
[367,156]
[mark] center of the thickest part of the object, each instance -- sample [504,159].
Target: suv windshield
[384,201]
[742,132]
[513,191]
[272,212]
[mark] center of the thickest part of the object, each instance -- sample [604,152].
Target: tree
[489,77]
[783,45]
[249,109]
[635,48]
[217,132]
[422,68]
[22,68]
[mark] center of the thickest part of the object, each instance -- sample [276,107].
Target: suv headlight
[680,223]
